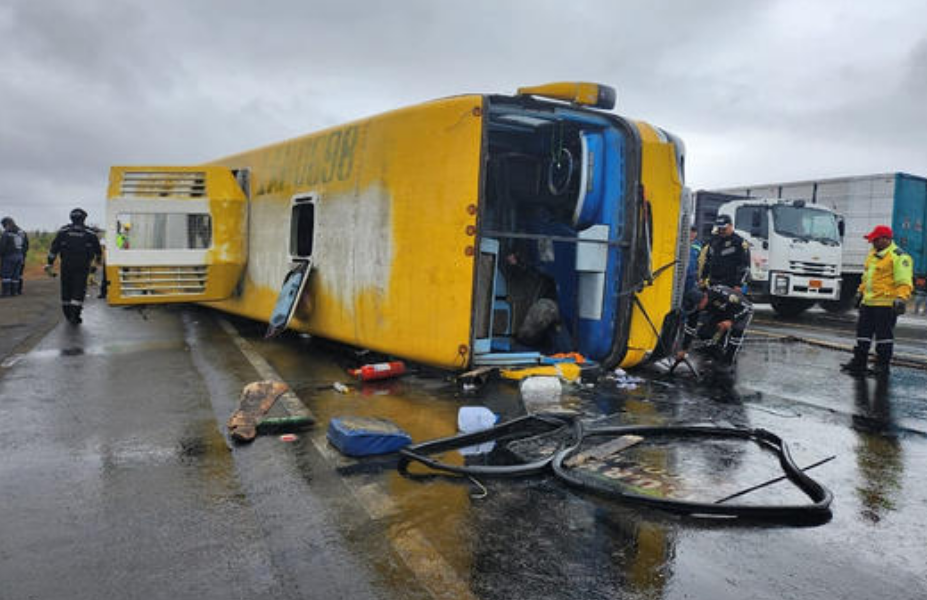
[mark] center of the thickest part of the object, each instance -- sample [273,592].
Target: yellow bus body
[393,241]
[663,185]
[401,208]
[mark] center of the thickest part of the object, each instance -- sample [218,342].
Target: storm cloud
[759,91]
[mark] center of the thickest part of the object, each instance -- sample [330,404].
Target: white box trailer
[898,200]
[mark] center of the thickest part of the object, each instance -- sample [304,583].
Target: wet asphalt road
[118,480]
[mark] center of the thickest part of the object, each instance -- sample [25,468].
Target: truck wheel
[837,306]
[848,288]
[790,307]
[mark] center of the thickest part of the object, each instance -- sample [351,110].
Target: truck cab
[795,247]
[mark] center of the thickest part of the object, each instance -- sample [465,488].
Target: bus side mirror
[841,227]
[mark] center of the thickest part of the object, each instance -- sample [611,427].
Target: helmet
[691,300]
[78,215]
[6,221]
[127,226]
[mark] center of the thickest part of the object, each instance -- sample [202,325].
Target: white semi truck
[795,247]
[898,200]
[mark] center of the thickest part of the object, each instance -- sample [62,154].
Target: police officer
[725,259]
[882,295]
[14,244]
[718,315]
[78,247]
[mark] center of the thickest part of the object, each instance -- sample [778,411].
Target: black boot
[18,288]
[857,365]
[69,313]
[881,369]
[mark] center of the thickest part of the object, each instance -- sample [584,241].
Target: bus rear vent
[162,281]
[183,184]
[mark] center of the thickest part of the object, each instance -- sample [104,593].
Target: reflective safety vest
[887,276]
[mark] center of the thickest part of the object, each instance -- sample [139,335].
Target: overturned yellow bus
[405,229]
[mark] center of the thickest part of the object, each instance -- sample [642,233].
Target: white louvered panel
[183,184]
[162,281]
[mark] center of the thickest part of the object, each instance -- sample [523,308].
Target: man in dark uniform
[14,244]
[725,259]
[78,247]
[718,316]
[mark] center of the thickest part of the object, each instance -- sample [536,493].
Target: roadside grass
[39,242]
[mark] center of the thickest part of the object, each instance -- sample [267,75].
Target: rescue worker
[78,247]
[14,244]
[122,236]
[725,259]
[882,296]
[718,316]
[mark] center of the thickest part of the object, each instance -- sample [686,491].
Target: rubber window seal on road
[518,428]
[817,511]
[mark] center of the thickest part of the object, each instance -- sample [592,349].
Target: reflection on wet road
[536,539]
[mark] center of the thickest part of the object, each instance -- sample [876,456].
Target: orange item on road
[379,371]
[576,356]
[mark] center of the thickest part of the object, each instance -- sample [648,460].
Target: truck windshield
[806,223]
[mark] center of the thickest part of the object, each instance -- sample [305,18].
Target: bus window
[164,231]
[302,227]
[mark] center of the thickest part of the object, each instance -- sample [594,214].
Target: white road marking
[430,568]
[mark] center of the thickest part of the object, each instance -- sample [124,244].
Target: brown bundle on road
[256,400]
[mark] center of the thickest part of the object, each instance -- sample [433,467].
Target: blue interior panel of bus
[590,197]
[594,337]
[599,214]
[597,336]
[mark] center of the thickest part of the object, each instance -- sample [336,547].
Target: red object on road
[379,371]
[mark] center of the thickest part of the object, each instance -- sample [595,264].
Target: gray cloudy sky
[759,91]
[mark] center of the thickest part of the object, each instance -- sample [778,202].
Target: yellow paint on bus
[409,221]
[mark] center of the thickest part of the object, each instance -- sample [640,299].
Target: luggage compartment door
[175,234]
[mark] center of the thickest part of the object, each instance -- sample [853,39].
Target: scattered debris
[384,370]
[540,390]
[566,371]
[365,436]
[623,381]
[341,388]
[256,399]
[574,357]
[632,482]
[288,437]
[603,451]
[471,419]
[475,418]
[475,379]
[289,423]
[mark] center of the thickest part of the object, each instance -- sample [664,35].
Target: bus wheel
[790,307]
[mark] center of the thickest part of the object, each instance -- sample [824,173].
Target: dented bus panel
[427,232]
